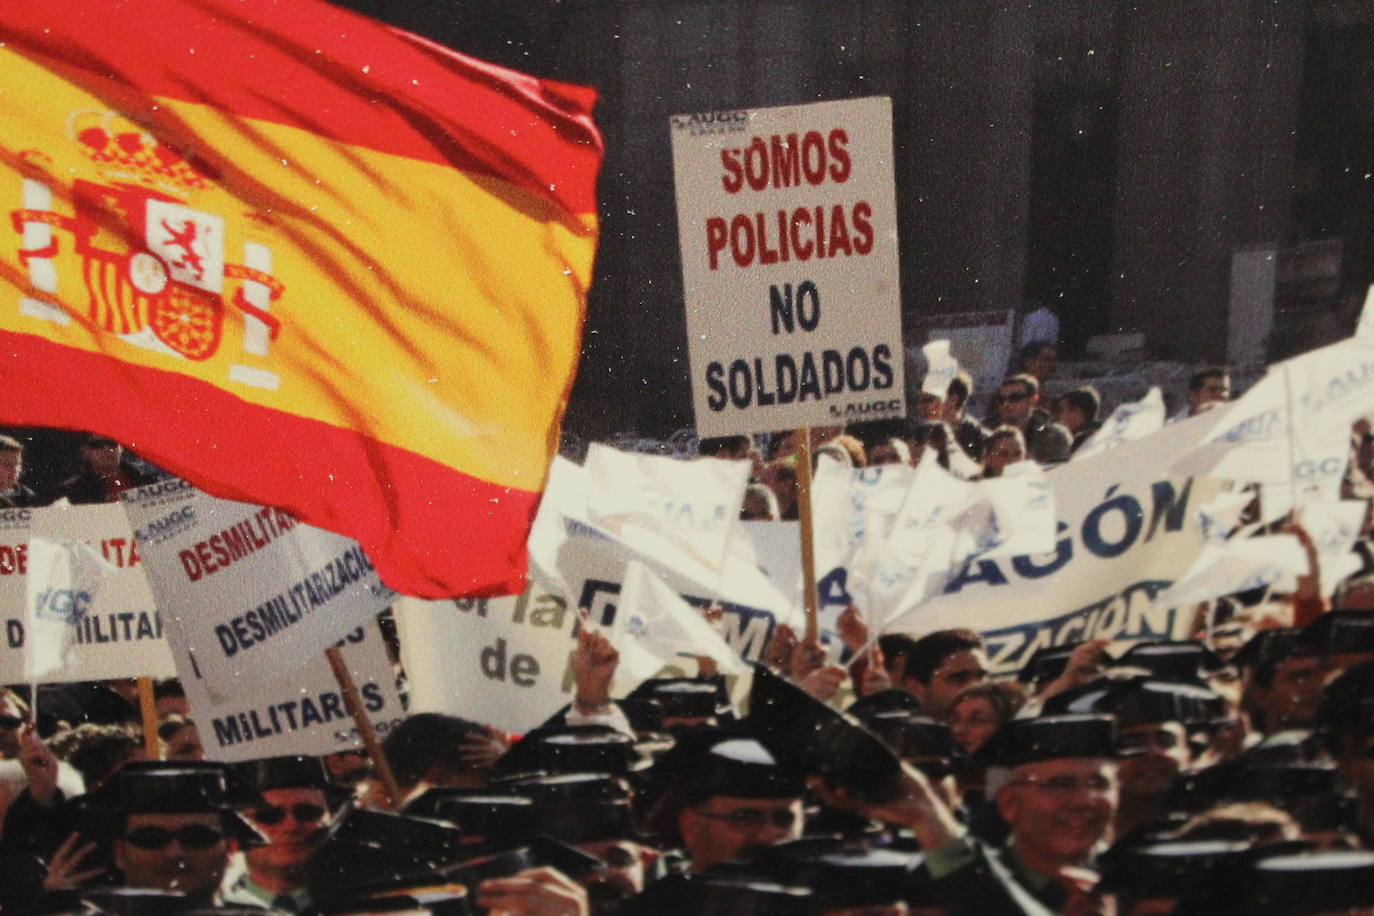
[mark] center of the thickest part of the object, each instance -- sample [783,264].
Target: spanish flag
[302,259]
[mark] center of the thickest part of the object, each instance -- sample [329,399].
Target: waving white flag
[941,367]
[64,578]
[1127,423]
[652,618]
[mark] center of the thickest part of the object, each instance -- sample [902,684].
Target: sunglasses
[195,836]
[10,723]
[1015,396]
[303,812]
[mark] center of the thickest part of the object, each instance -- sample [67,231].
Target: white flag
[1333,527]
[1127,423]
[941,367]
[1236,566]
[1257,440]
[1020,515]
[64,578]
[652,618]
[667,503]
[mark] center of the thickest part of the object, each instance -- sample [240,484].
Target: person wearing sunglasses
[172,827]
[292,802]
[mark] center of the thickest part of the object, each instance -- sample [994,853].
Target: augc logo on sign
[65,605]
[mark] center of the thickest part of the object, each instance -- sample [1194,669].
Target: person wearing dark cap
[738,800]
[1149,879]
[170,827]
[1346,723]
[432,749]
[1285,677]
[292,802]
[1059,797]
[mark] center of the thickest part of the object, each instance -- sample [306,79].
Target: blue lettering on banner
[1127,615]
[746,630]
[293,715]
[1108,530]
[65,605]
[286,608]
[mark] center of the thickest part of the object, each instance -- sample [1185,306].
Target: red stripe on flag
[477,528]
[334,73]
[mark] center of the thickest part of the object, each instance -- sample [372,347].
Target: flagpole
[147,708]
[808,553]
[364,724]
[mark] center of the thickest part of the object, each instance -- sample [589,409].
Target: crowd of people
[1023,421]
[887,775]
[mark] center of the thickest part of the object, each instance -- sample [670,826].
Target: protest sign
[501,661]
[304,712]
[787,225]
[254,591]
[654,619]
[1126,531]
[119,634]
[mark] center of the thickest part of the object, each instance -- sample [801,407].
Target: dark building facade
[1107,158]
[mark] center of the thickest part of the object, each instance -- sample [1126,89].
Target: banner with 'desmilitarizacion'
[252,592]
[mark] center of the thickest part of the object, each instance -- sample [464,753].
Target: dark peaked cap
[811,737]
[250,779]
[741,768]
[1023,741]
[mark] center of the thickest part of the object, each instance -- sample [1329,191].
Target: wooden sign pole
[147,708]
[365,731]
[808,553]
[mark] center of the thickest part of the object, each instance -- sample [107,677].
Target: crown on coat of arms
[124,151]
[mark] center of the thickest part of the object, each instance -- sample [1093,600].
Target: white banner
[255,593]
[1126,531]
[787,225]
[303,713]
[120,634]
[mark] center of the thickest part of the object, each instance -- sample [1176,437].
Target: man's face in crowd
[184,744]
[726,828]
[1044,364]
[11,466]
[1212,391]
[957,671]
[1004,450]
[1059,809]
[1357,765]
[1072,418]
[626,865]
[1291,700]
[1014,403]
[1158,751]
[181,852]
[294,822]
[11,721]
[929,407]
[103,457]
